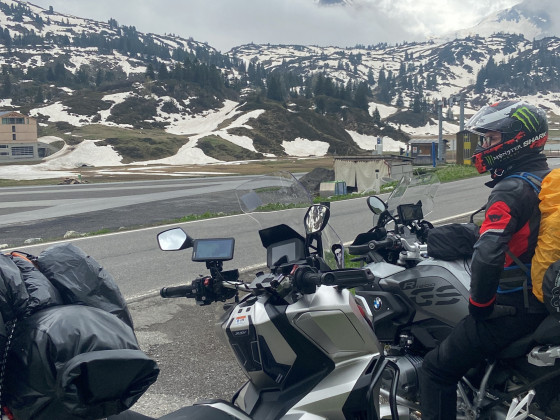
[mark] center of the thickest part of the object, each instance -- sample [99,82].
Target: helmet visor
[495,118]
[489,139]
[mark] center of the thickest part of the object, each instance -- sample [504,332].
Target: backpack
[545,271]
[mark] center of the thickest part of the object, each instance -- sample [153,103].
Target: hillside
[164,99]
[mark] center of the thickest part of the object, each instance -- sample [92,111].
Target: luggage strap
[533,180]
[11,326]
[525,279]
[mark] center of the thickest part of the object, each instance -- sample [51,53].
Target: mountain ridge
[72,73]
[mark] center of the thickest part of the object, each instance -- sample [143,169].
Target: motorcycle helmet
[523,128]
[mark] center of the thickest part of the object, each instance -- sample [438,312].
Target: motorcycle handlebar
[373,245]
[188,291]
[388,242]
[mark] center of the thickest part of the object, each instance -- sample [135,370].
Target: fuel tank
[434,288]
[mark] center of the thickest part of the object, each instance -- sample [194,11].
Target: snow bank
[87,153]
[303,147]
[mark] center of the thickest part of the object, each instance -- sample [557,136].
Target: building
[368,173]
[18,137]
[425,151]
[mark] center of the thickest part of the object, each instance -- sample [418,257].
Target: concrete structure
[367,173]
[18,137]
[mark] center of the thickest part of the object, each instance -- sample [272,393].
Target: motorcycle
[300,336]
[415,300]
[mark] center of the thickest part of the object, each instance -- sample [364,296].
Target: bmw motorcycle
[318,342]
[303,340]
[415,300]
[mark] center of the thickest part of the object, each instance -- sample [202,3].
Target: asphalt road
[140,268]
[49,212]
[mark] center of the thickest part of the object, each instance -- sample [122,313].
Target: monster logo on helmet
[523,128]
[525,115]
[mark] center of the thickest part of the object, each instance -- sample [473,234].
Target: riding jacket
[511,223]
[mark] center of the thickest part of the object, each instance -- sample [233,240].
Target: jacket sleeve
[509,208]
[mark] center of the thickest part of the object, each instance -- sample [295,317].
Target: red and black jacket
[511,222]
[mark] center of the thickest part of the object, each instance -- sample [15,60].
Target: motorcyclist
[512,137]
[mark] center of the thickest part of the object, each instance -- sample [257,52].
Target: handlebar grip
[187,291]
[347,277]
[312,277]
[306,280]
[388,242]
[373,245]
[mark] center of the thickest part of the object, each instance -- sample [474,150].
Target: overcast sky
[228,23]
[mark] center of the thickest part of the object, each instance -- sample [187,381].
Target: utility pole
[461,113]
[441,147]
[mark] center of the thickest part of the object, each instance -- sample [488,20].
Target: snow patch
[187,155]
[205,122]
[303,147]
[58,112]
[384,110]
[86,153]
[49,139]
[367,142]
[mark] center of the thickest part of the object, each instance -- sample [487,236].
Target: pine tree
[376,116]
[370,78]
[361,96]
[274,87]
[150,74]
[6,86]
[39,98]
[400,101]
[99,77]
[163,73]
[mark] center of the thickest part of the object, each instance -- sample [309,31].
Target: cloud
[227,23]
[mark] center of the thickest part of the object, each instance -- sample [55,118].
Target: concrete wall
[367,174]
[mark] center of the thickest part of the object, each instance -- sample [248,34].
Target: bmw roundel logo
[377,303]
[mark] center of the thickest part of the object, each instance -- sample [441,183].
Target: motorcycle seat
[518,348]
[547,333]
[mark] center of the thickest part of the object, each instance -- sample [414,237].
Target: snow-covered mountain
[72,73]
[533,20]
[23,23]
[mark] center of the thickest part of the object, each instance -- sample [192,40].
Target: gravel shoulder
[183,338]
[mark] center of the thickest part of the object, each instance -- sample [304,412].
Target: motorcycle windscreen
[416,189]
[280,199]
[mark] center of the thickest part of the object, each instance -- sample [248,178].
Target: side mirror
[376,204]
[174,239]
[316,218]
